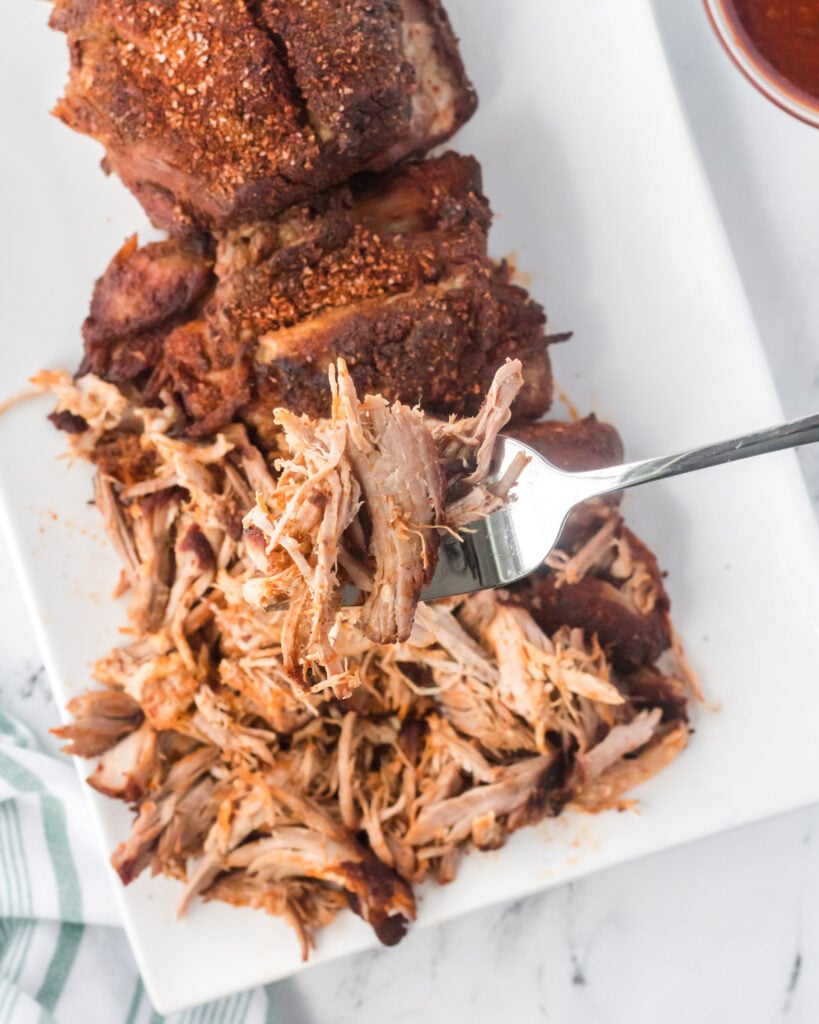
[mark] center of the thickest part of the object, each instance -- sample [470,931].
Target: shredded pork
[424,730]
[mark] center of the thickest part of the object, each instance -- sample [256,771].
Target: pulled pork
[368,490]
[480,715]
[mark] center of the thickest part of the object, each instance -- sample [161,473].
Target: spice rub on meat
[390,273]
[488,716]
[217,114]
[143,294]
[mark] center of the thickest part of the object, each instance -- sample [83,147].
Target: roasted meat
[390,273]
[300,388]
[143,294]
[216,115]
[612,585]
[575,445]
[490,713]
[583,583]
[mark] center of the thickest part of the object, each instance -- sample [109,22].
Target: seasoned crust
[631,619]
[406,294]
[435,346]
[632,639]
[144,288]
[573,445]
[595,548]
[390,272]
[140,297]
[219,114]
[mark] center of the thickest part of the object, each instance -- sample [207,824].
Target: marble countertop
[726,929]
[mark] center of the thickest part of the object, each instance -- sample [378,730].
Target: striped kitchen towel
[64,958]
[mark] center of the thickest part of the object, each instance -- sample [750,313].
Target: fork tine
[509,544]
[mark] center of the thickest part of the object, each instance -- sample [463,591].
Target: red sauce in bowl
[785,34]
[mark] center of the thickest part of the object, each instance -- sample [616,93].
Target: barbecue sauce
[785,34]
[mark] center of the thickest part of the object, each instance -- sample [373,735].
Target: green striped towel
[63,954]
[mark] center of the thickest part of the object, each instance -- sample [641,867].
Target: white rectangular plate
[600,197]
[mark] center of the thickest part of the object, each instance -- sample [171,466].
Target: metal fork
[511,543]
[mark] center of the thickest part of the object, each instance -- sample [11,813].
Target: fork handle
[786,435]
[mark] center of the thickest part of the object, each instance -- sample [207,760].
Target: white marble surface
[723,930]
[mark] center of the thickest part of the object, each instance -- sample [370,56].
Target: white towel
[64,958]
